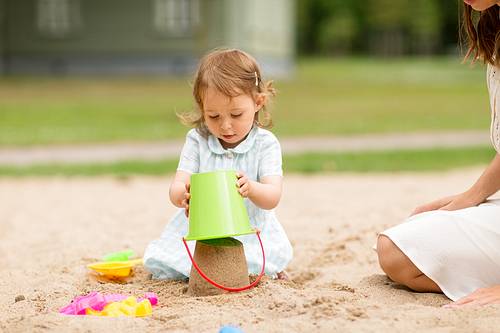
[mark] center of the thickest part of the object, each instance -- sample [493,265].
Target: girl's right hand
[185,202]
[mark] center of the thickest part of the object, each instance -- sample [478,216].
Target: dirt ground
[127,151]
[50,228]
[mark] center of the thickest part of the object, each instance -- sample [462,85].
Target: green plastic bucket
[216,209]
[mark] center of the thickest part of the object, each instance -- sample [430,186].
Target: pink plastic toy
[128,307]
[97,302]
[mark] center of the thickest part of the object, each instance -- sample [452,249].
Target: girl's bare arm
[179,189]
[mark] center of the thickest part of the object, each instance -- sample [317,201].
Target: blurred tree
[337,33]
[386,20]
[311,13]
[450,12]
[377,27]
[425,24]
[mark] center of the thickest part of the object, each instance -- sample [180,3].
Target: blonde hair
[483,32]
[231,72]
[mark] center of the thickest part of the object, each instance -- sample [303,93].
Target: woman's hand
[487,185]
[483,296]
[454,202]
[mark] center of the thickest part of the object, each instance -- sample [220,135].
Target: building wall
[103,27]
[131,37]
[264,28]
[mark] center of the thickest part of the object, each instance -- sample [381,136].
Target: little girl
[230,117]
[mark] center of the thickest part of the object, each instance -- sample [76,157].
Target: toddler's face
[229,119]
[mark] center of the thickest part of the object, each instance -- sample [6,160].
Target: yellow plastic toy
[115,268]
[129,307]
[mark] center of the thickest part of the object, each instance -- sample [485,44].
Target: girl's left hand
[185,202]
[482,296]
[244,185]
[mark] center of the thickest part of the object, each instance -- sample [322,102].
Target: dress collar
[243,147]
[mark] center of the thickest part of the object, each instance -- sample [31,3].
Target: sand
[50,228]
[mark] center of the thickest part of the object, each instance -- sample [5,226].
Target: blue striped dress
[259,155]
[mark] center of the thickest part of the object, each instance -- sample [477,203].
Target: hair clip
[256,79]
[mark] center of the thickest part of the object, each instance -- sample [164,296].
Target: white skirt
[459,250]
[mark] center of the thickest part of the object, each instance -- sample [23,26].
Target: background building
[141,37]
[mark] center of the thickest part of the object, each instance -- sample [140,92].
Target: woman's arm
[265,194]
[487,185]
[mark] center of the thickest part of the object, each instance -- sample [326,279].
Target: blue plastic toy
[230,329]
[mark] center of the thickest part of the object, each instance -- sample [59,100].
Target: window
[176,17]
[58,18]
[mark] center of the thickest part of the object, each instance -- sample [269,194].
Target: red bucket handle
[226,288]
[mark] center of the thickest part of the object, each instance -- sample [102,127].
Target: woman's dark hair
[483,32]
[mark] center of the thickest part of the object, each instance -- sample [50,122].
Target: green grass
[119,169]
[72,110]
[374,96]
[325,97]
[394,161]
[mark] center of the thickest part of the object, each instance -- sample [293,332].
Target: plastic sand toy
[98,302]
[115,268]
[129,307]
[119,256]
[230,329]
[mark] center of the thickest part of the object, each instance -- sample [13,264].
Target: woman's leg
[401,269]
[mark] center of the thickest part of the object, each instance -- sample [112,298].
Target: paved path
[108,153]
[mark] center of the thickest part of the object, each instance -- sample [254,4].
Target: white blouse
[493,80]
